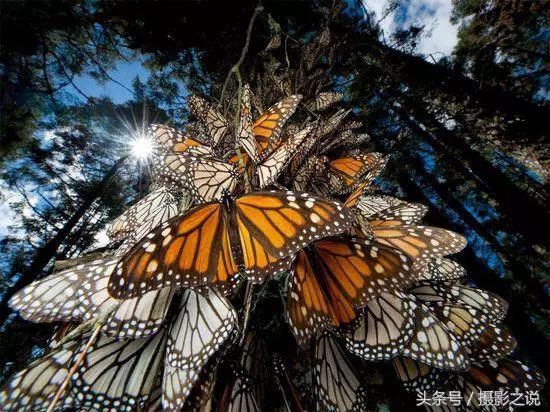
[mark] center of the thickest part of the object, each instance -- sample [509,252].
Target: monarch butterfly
[80,294]
[216,124]
[339,139]
[118,374]
[332,123]
[393,222]
[174,141]
[210,179]
[267,128]
[325,100]
[201,326]
[442,269]
[417,376]
[433,344]
[493,307]
[206,178]
[347,172]
[333,276]
[138,220]
[201,393]
[504,374]
[271,167]
[238,395]
[255,361]
[261,137]
[213,242]
[336,383]
[371,204]
[383,327]
[34,387]
[494,343]
[305,174]
[204,322]
[421,243]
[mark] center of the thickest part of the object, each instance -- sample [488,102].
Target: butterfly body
[214,242]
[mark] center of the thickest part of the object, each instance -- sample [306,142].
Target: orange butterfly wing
[268,126]
[172,140]
[347,172]
[421,243]
[310,307]
[196,249]
[347,273]
[274,225]
[189,250]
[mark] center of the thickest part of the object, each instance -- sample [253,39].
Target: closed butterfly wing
[464,322]
[442,270]
[50,299]
[348,172]
[383,327]
[337,386]
[172,140]
[417,376]
[241,396]
[505,374]
[206,179]
[203,324]
[494,343]
[245,133]
[325,100]
[333,122]
[267,128]
[268,171]
[421,243]
[304,175]
[433,344]
[370,205]
[255,360]
[132,318]
[216,124]
[401,214]
[34,388]
[492,306]
[121,227]
[118,374]
[147,214]
[200,397]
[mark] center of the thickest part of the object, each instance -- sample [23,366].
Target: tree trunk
[47,252]
[523,210]
[418,73]
[521,316]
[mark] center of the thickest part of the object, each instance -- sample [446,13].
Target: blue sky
[434,13]
[124,73]
[441,35]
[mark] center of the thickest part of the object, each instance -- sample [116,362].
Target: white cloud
[433,14]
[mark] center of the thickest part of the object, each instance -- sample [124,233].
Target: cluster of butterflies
[234,204]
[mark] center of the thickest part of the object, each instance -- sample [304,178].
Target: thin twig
[236,66]
[73,369]
[247,308]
